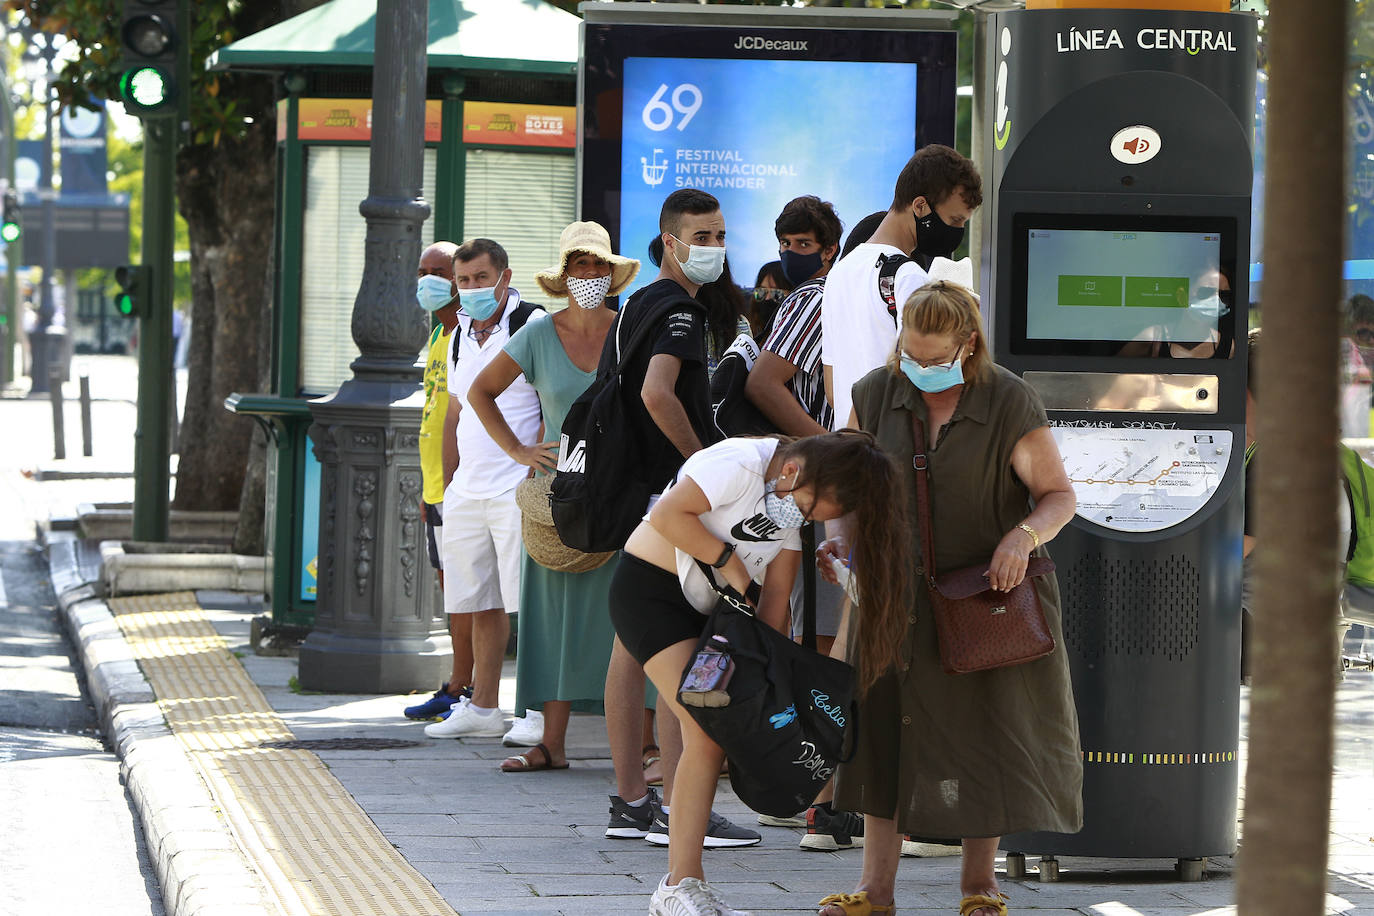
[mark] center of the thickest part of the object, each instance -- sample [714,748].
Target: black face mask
[935,238]
[798,268]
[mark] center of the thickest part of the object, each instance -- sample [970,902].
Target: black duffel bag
[791,712]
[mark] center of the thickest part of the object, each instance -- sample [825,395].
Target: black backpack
[518,319]
[731,410]
[598,495]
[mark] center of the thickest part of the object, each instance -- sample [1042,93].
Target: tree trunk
[225,191]
[1288,782]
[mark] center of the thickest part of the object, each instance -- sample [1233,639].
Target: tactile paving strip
[316,848]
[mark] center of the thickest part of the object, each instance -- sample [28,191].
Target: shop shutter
[522,201]
[332,258]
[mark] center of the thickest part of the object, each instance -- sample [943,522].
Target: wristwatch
[725,556]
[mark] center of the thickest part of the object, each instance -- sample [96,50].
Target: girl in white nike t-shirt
[738,507]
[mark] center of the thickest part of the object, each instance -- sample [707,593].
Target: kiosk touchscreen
[1120,180]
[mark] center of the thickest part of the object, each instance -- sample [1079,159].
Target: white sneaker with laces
[466,722]
[689,897]
[526,731]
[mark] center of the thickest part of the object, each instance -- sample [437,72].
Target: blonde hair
[946,308]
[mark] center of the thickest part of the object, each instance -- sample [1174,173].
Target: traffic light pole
[152,440]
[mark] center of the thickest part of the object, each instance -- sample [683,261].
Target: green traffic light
[146,87]
[10,232]
[124,304]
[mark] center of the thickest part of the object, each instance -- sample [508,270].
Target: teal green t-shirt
[540,355]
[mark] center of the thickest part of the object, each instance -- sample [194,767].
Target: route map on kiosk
[1112,285]
[1142,479]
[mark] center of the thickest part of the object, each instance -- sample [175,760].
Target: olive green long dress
[965,755]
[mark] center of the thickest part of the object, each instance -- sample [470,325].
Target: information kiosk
[1119,165]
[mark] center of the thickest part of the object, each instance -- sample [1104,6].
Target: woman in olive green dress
[976,755]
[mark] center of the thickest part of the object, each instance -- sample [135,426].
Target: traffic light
[149,37]
[133,289]
[10,227]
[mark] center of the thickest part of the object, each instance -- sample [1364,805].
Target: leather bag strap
[921,463]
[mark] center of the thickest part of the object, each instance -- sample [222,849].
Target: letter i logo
[1002,133]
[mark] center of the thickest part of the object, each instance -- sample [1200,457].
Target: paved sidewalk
[493,843]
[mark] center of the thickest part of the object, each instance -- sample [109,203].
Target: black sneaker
[828,830]
[631,822]
[720,833]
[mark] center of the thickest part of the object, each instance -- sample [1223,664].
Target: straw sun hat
[592,239]
[541,539]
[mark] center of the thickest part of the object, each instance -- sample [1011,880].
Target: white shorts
[481,550]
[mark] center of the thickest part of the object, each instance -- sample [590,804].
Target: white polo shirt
[858,334]
[484,470]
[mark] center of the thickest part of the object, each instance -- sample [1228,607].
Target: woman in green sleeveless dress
[565,631]
[978,755]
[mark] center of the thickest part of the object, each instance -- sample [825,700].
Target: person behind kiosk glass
[974,755]
[673,418]
[1198,331]
[738,506]
[565,636]
[934,197]
[481,543]
[438,294]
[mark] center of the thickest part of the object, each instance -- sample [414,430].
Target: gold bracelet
[1034,535]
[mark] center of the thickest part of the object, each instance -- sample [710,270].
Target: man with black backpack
[935,196]
[656,352]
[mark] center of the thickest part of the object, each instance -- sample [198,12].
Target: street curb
[200,866]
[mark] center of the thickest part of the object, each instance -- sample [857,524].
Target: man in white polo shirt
[936,194]
[481,546]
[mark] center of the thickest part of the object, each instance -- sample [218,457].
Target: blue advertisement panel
[310,526]
[779,105]
[717,125]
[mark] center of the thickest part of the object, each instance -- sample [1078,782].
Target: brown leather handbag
[978,627]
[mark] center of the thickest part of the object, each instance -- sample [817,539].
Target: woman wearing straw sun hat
[565,633]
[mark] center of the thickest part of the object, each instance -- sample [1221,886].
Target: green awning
[524,36]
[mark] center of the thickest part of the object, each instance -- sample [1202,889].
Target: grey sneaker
[631,822]
[690,897]
[919,849]
[720,833]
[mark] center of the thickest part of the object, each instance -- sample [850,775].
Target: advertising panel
[756,117]
[345,119]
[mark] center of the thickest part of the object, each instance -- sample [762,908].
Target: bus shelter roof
[520,36]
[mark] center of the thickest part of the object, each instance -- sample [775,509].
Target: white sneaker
[527,731]
[689,897]
[919,850]
[796,820]
[466,722]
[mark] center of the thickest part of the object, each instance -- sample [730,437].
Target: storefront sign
[512,124]
[345,119]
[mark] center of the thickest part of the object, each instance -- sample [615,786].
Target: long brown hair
[849,467]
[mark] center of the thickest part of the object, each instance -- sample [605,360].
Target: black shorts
[648,610]
[434,520]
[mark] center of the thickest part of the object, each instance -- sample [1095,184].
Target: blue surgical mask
[704,263]
[433,293]
[932,379]
[479,304]
[782,511]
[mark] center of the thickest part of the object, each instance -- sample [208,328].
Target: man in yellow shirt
[437,293]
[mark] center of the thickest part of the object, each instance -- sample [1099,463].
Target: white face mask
[591,292]
[704,263]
